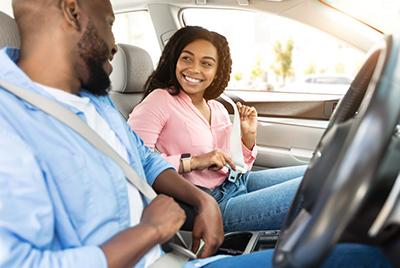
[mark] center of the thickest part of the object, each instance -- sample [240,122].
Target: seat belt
[236,150]
[73,121]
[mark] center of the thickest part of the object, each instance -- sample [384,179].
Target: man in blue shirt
[63,203]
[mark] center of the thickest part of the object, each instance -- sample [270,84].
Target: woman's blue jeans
[258,200]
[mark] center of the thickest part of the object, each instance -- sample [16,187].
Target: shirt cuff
[249,154]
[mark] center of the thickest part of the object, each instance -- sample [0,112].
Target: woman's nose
[194,68]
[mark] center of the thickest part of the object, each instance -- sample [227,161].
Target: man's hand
[208,226]
[208,222]
[161,219]
[165,215]
[214,160]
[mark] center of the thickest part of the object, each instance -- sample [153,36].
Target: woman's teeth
[191,79]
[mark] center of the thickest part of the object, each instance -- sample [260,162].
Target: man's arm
[208,223]
[27,219]
[161,219]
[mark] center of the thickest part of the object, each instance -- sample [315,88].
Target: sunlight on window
[136,28]
[271,53]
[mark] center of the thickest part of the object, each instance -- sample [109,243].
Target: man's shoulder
[8,101]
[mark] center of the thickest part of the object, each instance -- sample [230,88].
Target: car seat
[131,67]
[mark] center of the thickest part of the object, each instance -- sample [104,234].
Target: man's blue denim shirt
[59,197]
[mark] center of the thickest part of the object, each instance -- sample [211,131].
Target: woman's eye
[208,64]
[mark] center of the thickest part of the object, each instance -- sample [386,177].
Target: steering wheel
[343,167]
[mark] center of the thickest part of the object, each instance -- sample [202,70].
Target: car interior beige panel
[333,22]
[301,109]
[164,18]
[281,104]
[286,141]
[273,157]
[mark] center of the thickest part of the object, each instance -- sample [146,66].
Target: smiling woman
[193,71]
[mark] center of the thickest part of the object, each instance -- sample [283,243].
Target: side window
[272,53]
[136,28]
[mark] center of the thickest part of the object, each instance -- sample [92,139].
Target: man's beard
[94,52]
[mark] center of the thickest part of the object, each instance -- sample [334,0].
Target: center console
[238,243]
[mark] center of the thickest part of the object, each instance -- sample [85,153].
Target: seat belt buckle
[234,175]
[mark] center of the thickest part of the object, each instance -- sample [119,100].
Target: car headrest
[131,68]
[9,34]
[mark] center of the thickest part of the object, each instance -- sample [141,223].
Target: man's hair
[164,76]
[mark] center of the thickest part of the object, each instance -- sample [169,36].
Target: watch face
[185,155]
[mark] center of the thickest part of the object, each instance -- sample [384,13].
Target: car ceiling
[311,12]
[326,19]
[275,6]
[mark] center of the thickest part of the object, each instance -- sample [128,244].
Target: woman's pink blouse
[173,126]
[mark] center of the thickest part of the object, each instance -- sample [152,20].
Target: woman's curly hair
[164,75]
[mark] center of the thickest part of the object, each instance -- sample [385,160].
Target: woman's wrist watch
[185,159]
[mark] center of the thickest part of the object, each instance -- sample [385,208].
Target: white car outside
[323,84]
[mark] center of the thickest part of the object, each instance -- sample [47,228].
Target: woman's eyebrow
[210,58]
[205,57]
[188,52]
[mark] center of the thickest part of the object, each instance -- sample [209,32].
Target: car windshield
[371,12]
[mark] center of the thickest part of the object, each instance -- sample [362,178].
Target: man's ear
[72,13]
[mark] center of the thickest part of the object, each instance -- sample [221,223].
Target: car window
[126,31]
[272,53]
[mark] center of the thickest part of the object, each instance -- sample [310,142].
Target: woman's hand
[248,124]
[248,118]
[214,160]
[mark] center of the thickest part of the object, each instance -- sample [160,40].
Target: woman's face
[197,66]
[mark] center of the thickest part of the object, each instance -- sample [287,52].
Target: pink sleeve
[249,155]
[148,119]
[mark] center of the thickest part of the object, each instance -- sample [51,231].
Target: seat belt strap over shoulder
[236,150]
[70,119]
